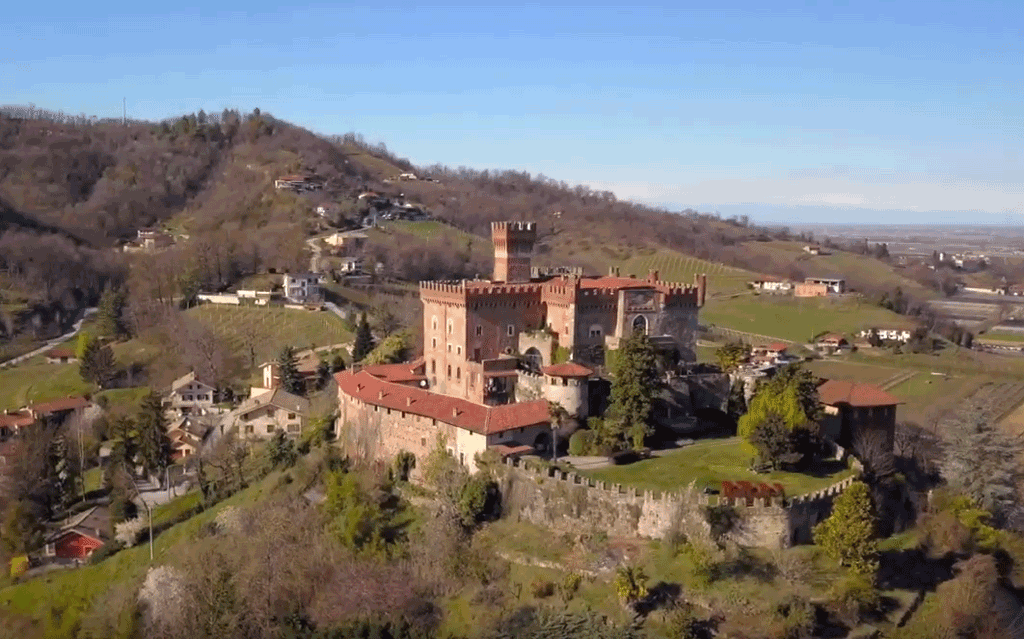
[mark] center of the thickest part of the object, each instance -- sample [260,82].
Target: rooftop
[59,405]
[567,369]
[485,420]
[277,397]
[60,352]
[398,373]
[187,379]
[833,392]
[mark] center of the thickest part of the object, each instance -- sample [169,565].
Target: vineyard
[676,267]
[270,329]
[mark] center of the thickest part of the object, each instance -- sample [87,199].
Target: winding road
[50,343]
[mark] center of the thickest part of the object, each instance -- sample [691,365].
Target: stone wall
[568,502]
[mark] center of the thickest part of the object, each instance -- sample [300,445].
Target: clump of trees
[848,536]
[780,425]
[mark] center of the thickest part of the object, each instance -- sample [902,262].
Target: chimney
[652,275]
[409,401]
[702,288]
[613,271]
[455,412]
[381,395]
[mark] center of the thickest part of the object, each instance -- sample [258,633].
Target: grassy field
[708,463]
[925,396]
[271,328]
[855,371]
[797,319]
[29,383]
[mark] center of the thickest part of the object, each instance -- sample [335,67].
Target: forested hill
[73,188]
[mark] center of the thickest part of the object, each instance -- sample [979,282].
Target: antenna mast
[124,111]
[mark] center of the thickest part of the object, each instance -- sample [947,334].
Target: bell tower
[513,246]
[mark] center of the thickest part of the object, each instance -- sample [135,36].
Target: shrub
[581,443]
[478,499]
[853,597]
[797,617]
[104,551]
[404,463]
[703,563]
[570,586]
[681,622]
[631,584]
[722,519]
[542,588]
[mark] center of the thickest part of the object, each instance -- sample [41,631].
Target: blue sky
[863,111]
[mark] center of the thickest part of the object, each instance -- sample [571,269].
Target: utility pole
[124,111]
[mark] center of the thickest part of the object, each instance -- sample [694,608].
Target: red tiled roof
[776,347]
[832,337]
[834,391]
[58,405]
[398,373]
[18,419]
[60,352]
[567,369]
[478,418]
[508,449]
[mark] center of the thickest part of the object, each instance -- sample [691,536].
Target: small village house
[803,289]
[80,536]
[831,342]
[772,285]
[300,288]
[901,335]
[346,242]
[351,265]
[60,356]
[834,285]
[261,416]
[190,395]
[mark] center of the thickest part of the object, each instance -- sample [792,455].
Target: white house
[901,335]
[351,265]
[771,285]
[302,287]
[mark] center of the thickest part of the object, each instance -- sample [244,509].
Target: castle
[495,353]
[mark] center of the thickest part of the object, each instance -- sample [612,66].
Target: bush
[681,622]
[404,463]
[797,616]
[722,519]
[581,443]
[853,597]
[478,499]
[542,588]
[570,586]
[104,551]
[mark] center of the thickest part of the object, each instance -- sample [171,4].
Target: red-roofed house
[13,421]
[831,342]
[60,356]
[380,418]
[852,407]
[58,408]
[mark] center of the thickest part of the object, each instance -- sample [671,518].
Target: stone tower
[513,246]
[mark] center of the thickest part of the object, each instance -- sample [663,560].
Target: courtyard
[709,462]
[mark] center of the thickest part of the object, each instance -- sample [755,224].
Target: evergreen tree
[97,365]
[848,535]
[281,450]
[110,314]
[636,381]
[732,355]
[62,473]
[323,374]
[337,364]
[792,397]
[364,340]
[288,372]
[154,449]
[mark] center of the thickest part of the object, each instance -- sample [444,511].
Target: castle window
[423,441]
[511,330]
[595,330]
[433,342]
[479,331]
[433,323]
[449,348]
[449,371]
[476,354]
[450,327]
[433,366]
[640,324]
[403,414]
[458,373]
[458,350]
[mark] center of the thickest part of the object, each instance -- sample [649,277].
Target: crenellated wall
[568,502]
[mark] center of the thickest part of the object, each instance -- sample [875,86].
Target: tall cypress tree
[364,340]
[288,371]
[110,314]
[633,389]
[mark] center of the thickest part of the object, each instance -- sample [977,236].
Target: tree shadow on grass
[660,595]
[745,564]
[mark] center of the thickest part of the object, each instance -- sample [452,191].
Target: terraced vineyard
[993,402]
[676,267]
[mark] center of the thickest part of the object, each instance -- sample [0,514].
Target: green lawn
[796,319]
[854,371]
[271,328]
[29,383]
[924,395]
[709,462]
[997,336]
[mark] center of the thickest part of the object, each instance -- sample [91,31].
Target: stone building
[853,409]
[498,353]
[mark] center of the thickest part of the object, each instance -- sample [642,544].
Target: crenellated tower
[513,247]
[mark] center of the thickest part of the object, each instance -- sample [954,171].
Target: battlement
[514,227]
[451,291]
[688,495]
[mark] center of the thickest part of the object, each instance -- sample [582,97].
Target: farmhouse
[901,335]
[297,183]
[346,241]
[11,423]
[833,284]
[772,285]
[831,342]
[497,352]
[60,356]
